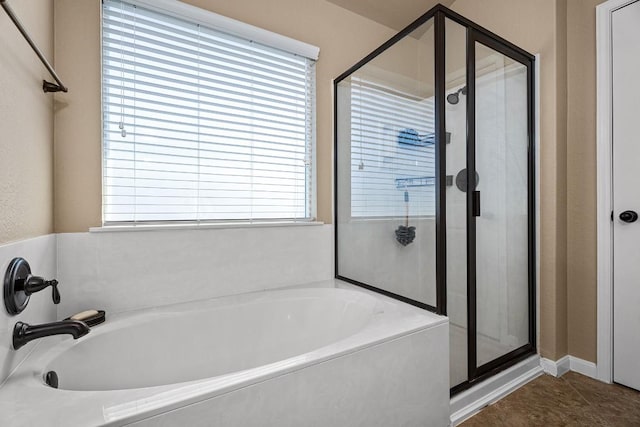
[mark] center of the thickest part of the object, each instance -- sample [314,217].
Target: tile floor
[572,400]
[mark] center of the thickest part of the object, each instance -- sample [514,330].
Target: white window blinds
[392,152]
[201,125]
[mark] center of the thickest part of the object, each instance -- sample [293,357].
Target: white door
[626,195]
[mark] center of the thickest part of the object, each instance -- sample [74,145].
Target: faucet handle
[55,293]
[36,283]
[19,284]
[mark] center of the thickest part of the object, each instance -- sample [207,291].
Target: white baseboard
[569,363]
[470,402]
[556,368]
[584,367]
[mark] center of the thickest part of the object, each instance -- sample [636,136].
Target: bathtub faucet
[23,332]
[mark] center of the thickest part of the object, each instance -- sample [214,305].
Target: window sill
[390,218]
[201,226]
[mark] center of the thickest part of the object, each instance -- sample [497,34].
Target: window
[392,152]
[201,124]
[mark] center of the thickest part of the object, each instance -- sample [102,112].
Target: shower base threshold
[469,402]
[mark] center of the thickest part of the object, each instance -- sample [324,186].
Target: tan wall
[78,118]
[560,341]
[407,66]
[581,178]
[26,124]
[343,38]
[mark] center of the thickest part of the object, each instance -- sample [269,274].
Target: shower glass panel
[502,285]
[456,198]
[386,181]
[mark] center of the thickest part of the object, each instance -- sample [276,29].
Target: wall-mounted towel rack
[46,86]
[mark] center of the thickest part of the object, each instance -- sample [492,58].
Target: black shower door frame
[475,34]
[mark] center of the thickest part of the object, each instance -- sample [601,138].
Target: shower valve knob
[629,216]
[20,284]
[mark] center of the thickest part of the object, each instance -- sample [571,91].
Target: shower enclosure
[434,185]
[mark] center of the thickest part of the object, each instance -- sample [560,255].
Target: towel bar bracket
[52,87]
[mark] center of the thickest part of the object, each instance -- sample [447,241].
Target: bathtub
[325,355]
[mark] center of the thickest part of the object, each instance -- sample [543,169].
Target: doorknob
[629,216]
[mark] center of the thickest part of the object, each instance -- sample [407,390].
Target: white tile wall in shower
[127,270]
[40,252]
[370,254]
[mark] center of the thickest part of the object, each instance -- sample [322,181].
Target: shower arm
[46,86]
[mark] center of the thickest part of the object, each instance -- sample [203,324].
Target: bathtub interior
[172,346]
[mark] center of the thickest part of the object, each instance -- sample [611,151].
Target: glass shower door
[501,206]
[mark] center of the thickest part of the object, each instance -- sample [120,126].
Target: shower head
[453,98]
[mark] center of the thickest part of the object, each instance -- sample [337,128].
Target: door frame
[604,144]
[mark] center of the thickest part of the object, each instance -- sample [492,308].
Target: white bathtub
[312,356]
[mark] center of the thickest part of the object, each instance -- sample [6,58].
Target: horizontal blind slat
[120,48]
[263,95]
[144,95]
[270,78]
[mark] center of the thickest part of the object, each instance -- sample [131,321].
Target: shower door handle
[476,203]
